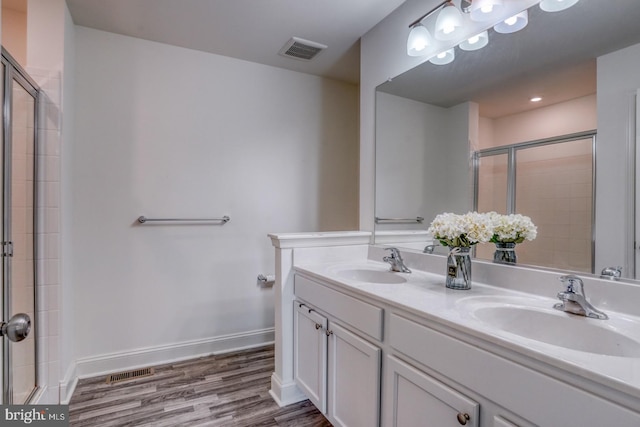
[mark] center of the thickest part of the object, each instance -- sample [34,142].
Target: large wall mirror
[467,136]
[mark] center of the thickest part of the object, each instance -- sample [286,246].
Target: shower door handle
[7,248]
[17,328]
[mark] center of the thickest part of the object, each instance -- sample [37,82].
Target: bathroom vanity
[369,347]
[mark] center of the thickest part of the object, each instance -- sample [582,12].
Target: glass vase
[459,268]
[505,253]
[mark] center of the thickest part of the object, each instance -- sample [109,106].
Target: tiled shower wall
[557,194]
[48,229]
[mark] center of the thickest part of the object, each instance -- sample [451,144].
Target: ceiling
[252,30]
[553,57]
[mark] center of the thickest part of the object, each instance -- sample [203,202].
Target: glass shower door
[17,249]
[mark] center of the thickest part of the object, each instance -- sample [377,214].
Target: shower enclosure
[551,181]
[19,95]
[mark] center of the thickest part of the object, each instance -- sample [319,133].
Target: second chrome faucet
[574,299]
[395,259]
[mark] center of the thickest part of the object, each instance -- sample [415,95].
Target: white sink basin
[545,324]
[370,275]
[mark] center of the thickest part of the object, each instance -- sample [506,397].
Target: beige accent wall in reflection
[553,183]
[14,29]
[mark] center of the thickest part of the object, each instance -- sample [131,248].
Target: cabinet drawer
[361,315]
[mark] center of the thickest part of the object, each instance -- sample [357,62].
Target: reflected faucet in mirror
[611,273]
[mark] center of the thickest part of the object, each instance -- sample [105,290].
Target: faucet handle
[571,281]
[611,273]
[394,252]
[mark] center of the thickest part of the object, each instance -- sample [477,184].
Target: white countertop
[424,294]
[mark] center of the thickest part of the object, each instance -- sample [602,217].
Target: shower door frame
[511,152]
[14,72]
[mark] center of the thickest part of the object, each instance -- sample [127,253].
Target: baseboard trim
[285,394]
[68,384]
[113,362]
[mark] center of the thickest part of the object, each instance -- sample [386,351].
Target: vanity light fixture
[513,24]
[556,5]
[449,22]
[484,10]
[444,58]
[476,42]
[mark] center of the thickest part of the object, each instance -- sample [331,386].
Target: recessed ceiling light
[536,99]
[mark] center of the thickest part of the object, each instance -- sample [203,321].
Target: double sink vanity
[370,347]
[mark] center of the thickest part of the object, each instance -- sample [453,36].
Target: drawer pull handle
[463,418]
[318,326]
[328,332]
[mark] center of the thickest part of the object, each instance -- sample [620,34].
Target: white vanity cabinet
[337,367]
[496,383]
[436,373]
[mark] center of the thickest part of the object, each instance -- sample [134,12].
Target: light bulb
[511,21]
[556,5]
[513,24]
[475,42]
[448,23]
[443,58]
[418,41]
[485,10]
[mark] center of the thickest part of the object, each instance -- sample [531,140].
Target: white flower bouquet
[462,230]
[514,228]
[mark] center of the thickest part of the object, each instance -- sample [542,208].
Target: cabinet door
[414,399]
[310,355]
[354,380]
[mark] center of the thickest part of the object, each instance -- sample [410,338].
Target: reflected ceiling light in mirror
[418,41]
[485,10]
[449,22]
[444,58]
[513,24]
[536,99]
[476,42]
[556,5]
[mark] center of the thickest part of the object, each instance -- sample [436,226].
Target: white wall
[431,146]
[618,81]
[170,132]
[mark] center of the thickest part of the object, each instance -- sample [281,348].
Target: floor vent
[130,375]
[298,48]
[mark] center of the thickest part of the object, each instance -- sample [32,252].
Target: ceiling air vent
[301,49]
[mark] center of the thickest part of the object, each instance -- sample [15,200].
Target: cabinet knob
[463,418]
[318,326]
[328,332]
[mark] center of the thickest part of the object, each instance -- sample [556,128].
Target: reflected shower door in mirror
[550,181]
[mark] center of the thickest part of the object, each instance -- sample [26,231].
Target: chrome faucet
[429,249]
[395,259]
[611,273]
[574,300]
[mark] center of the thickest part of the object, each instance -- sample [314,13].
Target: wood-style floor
[225,390]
